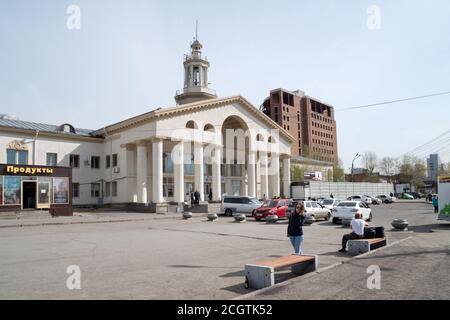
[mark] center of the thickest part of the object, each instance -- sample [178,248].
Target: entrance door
[29,194]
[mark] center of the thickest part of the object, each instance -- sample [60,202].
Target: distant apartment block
[310,121]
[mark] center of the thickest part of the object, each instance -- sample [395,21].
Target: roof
[42,127]
[192,107]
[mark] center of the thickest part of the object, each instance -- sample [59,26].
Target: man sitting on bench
[357,225]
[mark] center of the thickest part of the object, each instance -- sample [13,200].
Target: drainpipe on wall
[34,147]
[110,167]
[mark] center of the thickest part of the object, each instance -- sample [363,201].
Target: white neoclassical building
[207,144]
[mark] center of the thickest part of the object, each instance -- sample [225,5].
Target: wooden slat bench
[359,246]
[261,274]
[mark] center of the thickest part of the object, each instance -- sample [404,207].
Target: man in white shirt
[358,225]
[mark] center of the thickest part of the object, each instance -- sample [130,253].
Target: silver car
[239,204]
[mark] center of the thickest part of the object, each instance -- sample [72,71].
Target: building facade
[310,121]
[433,165]
[212,145]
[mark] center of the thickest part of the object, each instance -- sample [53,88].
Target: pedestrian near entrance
[197,197]
[210,195]
[435,203]
[357,225]
[331,196]
[295,228]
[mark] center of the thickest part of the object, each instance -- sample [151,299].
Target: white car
[375,200]
[239,204]
[348,209]
[365,199]
[312,208]
[330,203]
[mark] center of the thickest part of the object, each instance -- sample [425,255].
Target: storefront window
[60,190]
[11,192]
[43,194]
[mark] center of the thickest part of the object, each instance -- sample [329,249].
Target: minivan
[239,204]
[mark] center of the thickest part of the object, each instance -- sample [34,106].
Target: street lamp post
[356,157]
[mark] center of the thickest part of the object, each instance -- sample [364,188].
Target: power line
[428,142]
[393,101]
[432,148]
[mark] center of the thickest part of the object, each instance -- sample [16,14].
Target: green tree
[297,173]
[338,172]
[412,170]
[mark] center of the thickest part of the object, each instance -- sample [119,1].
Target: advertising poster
[60,190]
[11,192]
[444,198]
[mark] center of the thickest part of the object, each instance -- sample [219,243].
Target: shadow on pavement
[280,276]
[426,228]
[411,253]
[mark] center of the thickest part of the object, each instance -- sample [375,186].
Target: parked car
[312,208]
[348,209]
[416,195]
[406,196]
[316,210]
[239,204]
[330,203]
[385,198]
[375,200]
[320,200]
[278,207]
[366,200]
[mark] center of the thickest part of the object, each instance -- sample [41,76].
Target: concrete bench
[359,246]
[261,274]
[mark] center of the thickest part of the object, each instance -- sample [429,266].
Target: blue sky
[127,59]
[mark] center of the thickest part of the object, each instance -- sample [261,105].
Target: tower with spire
[195,76]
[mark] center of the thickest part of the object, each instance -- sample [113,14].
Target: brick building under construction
[310,121]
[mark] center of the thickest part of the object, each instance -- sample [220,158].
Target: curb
[92,222]
[321,270]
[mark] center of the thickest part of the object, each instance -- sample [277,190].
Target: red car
[275,206]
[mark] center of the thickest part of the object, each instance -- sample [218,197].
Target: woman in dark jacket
[295,227]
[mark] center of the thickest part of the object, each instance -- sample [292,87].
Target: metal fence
[340,190]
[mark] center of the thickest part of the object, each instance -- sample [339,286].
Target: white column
[191,76]
[216,176]
[178,172]
[131,175]
[142,172]
[287,177]
[199,174]
[157,170]
[251,174]
[200,76]
[275,174]
[264,175]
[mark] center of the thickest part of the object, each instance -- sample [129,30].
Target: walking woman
[295,227]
